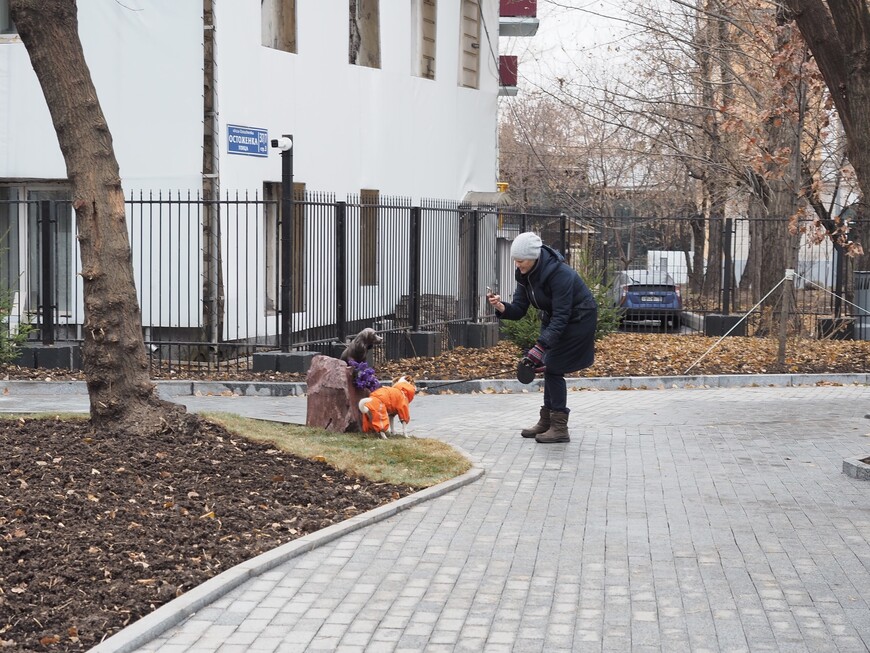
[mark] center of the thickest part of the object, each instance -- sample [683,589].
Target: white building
[395,98]
[415,116]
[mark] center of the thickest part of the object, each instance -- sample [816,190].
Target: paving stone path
[696,520]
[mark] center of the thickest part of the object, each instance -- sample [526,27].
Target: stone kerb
[858,468]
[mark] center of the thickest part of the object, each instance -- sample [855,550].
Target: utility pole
[285,144]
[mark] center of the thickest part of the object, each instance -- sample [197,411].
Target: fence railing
[214,287]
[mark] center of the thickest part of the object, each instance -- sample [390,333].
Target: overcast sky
[572,34]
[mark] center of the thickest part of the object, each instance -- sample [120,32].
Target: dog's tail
[364,406]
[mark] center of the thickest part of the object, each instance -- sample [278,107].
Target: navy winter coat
[569,313]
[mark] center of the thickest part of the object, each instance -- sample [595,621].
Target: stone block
[473,335]
[296,361]
[333,401]
[716,324]
[26,357]
[857,468]
[57,356]
[265,361]
[279,361]
[483,335]
[394,346]
[423,343]
[332,349]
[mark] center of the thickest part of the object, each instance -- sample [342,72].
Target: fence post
[563,235]
[839,274]
[728,270]
[45,287]
[286,245]
[341,269]
[414,268]
[787,286]
[473,299]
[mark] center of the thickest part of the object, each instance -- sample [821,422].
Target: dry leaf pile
[640,354]
[618,354]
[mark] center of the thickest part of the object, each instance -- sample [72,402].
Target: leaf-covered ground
[618,354]
[97,532]
[640,354]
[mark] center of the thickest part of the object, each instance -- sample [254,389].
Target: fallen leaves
[645,354]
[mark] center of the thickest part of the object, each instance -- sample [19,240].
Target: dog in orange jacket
[382,406]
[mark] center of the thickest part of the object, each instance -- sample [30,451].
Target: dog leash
[473,378]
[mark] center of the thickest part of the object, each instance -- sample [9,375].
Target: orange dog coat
[385,402]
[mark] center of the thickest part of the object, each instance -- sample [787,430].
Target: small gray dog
[358,348]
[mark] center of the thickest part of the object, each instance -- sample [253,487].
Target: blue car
[648,295]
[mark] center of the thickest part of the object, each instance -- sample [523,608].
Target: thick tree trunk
[836,31]
[783,181]
[699,245]
[113,353]
[756,212]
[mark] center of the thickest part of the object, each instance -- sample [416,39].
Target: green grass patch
[55,416]
[415,462]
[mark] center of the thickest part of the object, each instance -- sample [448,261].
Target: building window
[272,225]
[278,24]
[6,24]
[365,33]
[22,212]
[423,32]
[368,237]
[469,60]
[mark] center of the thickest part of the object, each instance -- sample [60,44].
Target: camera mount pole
[287,219]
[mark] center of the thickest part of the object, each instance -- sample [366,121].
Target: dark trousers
[555,392]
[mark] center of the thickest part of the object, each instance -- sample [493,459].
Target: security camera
[284,143]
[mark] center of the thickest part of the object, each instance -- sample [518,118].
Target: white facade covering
[354,126]
[398,130]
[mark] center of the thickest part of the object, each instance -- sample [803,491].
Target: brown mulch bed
[96,532]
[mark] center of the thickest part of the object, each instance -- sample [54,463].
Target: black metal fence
[739,267]
[219,280]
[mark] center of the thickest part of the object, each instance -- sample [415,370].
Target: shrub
[593,275]
[524,332]
[10,341]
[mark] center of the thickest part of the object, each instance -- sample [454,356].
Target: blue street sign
[250,141]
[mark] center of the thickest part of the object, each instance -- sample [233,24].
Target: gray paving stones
[714,519]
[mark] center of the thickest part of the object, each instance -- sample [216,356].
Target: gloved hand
[536,355]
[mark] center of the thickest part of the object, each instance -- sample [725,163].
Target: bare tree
[836,31]
[122,395]
[725,88]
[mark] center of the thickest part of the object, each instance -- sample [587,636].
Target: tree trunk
[782,141]
[713,181]
[122,396]
[699,245]
[756,212]
[836,31]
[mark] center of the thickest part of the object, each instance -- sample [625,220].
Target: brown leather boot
[542,425]
[558,431]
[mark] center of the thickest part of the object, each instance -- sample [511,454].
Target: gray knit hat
[526,247]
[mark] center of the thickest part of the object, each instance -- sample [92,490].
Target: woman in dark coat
[569,315]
